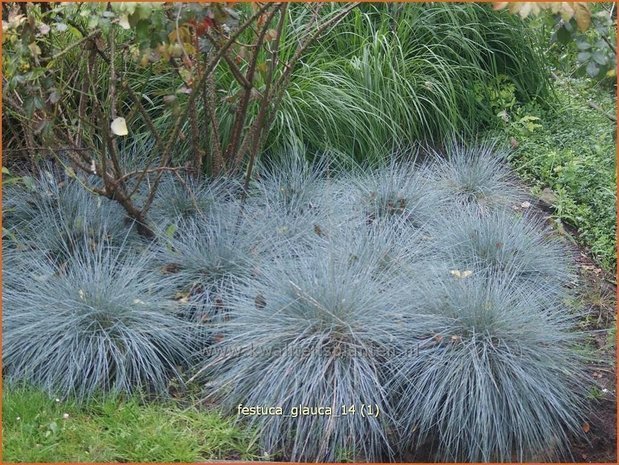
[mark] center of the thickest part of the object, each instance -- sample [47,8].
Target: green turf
[37,428]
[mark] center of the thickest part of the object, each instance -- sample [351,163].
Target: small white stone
[18,418]
[65,416]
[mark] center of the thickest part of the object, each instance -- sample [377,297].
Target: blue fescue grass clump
[399,189]
[412,286]
[208,254]
[475,176]
[290,183]
[101,321]
[53,215]
[498,377]
[313,331]
[292,197]
[503,242]
[180,198]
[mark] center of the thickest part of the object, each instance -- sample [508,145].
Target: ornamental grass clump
[99,322]
[53,216]
[313,331]
[498,378]
[399,189]
[207,255]
[179,198]
[475,176]
[296,200]
[501,242]
[290,184]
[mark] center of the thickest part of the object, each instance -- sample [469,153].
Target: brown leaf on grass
[260,302]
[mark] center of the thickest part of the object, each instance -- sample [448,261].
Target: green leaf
[170,230]
[600,58]
[142,33]
[583,57]
[582,44]
[593,69]
[563,35]
[29,106]
[29,183]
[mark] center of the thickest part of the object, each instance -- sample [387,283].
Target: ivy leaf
[582,44]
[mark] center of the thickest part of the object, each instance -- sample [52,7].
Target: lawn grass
[571,151]
[37,428]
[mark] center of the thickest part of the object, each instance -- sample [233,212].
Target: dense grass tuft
[497,379]
[475,175]
[179,199]
[98,322]
[53,216]
[316,331]
[502,243]
[399,189]
[207,255]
